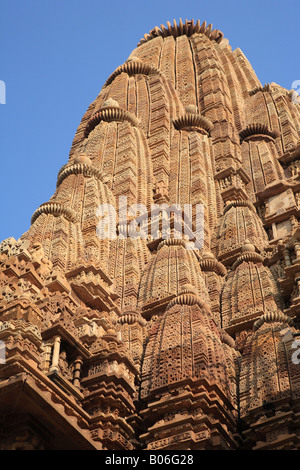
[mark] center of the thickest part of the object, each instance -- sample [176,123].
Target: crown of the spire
[188,28]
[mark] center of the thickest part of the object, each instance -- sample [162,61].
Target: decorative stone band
[133,66]
[273,317]
[109,114]
[183,29]
[263,89]
[190,299]
[56,209]
[257,130]
[80,169]
[172,242]
[239,203]
[248,257]
[192,121]
[15,327]
[130,318]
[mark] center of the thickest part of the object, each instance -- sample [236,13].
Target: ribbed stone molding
[56,209]
[248,255]
[272,317]
[132,66]
[172,242]
[188,29]
[109,114]
[130,317]
[240,203]
[257,130]
[188,296]
[193,121]
[81,169]
[263,89]
[226,339]
[188,299]
[210,264]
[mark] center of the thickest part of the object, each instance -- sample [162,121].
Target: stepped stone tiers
[140,339]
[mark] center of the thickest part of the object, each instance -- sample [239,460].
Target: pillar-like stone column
[287,258]
[297,251]
[77,371]
[55,356]
[47,357]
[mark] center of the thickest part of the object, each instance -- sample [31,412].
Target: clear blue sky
[57,54]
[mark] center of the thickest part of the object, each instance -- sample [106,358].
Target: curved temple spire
[188,28]
[128,333]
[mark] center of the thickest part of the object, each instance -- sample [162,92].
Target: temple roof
[187,28]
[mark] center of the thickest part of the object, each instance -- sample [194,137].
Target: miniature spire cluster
[140,342]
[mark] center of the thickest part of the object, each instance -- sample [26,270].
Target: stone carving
[11,247]
[188,28]
[277,270]
[257,129]
[63,366]
[294,168]
[193,121]
[151,342]
[225,182]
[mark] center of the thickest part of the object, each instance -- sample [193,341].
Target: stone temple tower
[142,342]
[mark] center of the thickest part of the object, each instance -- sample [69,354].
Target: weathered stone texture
[141,342]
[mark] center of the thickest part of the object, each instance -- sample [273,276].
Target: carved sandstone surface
[140,342]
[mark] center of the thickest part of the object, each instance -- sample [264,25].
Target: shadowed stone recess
[142,339]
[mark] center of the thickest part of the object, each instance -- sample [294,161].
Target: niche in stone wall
[280,203]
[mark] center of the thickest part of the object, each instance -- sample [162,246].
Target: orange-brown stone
[140,339]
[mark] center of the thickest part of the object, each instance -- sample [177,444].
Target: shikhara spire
[140,342]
